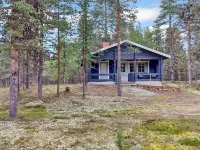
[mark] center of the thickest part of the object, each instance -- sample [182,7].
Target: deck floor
[112,83]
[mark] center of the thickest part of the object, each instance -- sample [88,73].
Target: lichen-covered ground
[139,120]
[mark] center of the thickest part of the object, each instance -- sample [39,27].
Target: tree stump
[67,89]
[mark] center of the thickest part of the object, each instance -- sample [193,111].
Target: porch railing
[147,76]
[100,77]
[132,77]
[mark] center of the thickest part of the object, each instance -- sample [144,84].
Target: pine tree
[58,12]
[148,38]
[85,34]
[136,34]
[121,9]
[14,22]
[118,48]
[158,37]
[168,12]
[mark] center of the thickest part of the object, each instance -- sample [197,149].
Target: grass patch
[117,113]
[4,116]
[79,115]
[22,141]
[33,113]
[4,113]
[190,142]
[174,126]
[159,97]
[166,127]
[30,128]
[79,130]
[27,114]
[4,108]
[60,117]
[166,146]
[98,129]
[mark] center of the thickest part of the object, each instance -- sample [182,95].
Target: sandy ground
[74,123]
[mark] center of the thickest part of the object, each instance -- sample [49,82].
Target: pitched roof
[135,44]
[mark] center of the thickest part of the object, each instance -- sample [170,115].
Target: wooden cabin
[139,64]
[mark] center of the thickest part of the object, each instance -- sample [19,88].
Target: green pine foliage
[143,37]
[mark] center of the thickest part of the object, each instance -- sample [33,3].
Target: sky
[148,10]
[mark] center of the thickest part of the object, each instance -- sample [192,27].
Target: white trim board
[135,44]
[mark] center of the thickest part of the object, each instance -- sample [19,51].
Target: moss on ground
[33,113]
[117,113]
[173,126]
[30,128]
[22,141]
[26,114]
[166,127]
[60,117]
[4,113]
[190,142]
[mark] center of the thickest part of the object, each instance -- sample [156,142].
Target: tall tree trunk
[64,67]
[23,70]
[18,76]
[171,60]
[58,51]
[58,80]
[40,70]
[85,44]
[14,55]
[106,20]
[118,50]
[27,68]
[35,66]
[40,54]
[14,94]
[189,46]
[84,75]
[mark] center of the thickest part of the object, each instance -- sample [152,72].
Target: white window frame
[144,63]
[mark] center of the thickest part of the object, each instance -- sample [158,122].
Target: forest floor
[140,119]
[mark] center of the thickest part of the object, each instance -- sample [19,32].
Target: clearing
[139,120]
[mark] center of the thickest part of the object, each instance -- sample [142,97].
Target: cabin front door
[124,72]
[104,69]
[126,68]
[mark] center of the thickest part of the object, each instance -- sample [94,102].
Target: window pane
[141,66]
[131,67]
[123,67]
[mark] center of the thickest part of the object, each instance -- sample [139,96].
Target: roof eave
[133,43]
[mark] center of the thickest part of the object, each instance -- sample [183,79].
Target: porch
[131,71]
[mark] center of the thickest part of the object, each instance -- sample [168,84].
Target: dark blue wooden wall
[153,64]
[95,70]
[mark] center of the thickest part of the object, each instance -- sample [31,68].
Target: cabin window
[141,66]
[123,67]
[131,67]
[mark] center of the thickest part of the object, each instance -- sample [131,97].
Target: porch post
[115,70]
[89,75]
[160,69]
[134,67]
